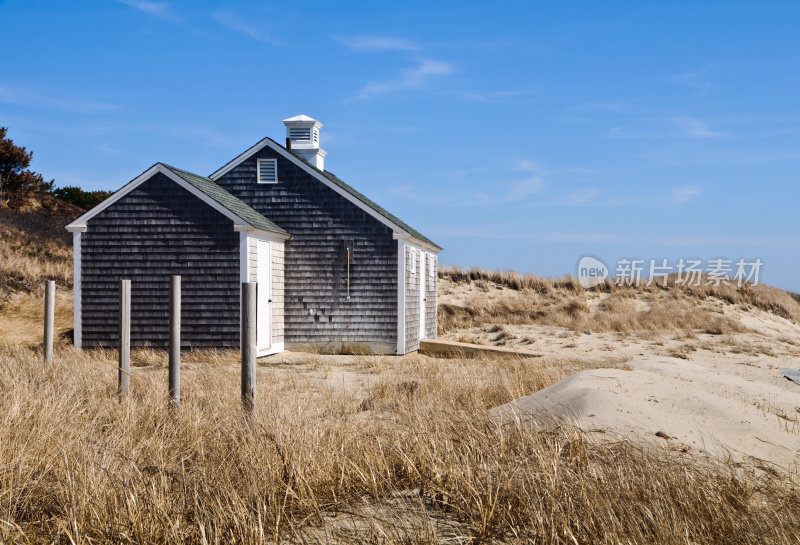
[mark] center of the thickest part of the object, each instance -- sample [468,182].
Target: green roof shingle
[333,179]
[228,201]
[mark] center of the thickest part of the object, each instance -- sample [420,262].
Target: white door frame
[422,281]
[264,296]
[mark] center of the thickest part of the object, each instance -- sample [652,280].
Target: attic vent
[300,133]
[316,136]
[268,171]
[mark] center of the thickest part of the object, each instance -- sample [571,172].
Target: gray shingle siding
[157,230]
[320,222]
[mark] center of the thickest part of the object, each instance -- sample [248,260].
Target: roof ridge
[227,200]
[364,199]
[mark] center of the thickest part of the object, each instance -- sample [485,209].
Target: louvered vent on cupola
[300,133]
[302,138]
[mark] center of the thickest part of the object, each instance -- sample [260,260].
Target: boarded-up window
[267,171]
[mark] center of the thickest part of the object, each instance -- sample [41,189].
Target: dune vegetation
[415,458]
[374,450]
[563,302]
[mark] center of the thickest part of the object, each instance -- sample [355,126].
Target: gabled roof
[204,188]
[335,183]
[372,204]
[227,200]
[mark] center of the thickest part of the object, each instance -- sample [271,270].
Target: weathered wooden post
[49,320]
[124,336]
[248,340]
[175,340]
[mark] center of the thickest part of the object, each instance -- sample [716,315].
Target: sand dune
[687,404]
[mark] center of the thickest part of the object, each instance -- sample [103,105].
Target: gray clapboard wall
[321,222]
[157,230]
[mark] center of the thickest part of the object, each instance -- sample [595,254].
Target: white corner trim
[417,243]
[267,142]
[77,325]
[243,256]
[266,235]
[401,297]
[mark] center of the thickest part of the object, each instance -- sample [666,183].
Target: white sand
[694,405]
[722,394]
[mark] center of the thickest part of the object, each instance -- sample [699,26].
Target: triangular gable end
[240,223]
[399,231]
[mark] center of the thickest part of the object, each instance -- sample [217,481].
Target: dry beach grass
[512,298]
[411,458]
[375,450]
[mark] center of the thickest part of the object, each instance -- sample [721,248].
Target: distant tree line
[80,198]
[18,183]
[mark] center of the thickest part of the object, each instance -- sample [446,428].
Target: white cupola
[302,138]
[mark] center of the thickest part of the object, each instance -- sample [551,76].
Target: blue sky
[518,135]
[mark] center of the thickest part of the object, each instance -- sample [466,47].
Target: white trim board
[77,322]
[244,254]
[268,142]
[273,349]
[260,233]
[401,296]
[81,222]
[417,243]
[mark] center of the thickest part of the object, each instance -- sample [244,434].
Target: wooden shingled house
[334,270]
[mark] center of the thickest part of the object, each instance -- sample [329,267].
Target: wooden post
[49,320]
[175,340]
[248,340]
[124,336]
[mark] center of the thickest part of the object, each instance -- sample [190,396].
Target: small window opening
[267,171]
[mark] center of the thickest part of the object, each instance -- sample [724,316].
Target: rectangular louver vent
[316,136]
[267,171]
[300,133]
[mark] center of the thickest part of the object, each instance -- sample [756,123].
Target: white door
[264,316]
[421,271]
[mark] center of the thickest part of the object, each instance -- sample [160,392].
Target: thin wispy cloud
[675,127]
[594,237]
[30,97]
[412,78]
[580,237]
[377,43]
[504,194]
[581,196]
[698,80]
[245,26]
[495,97]
[682,195]
[162,10]
[696,128]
